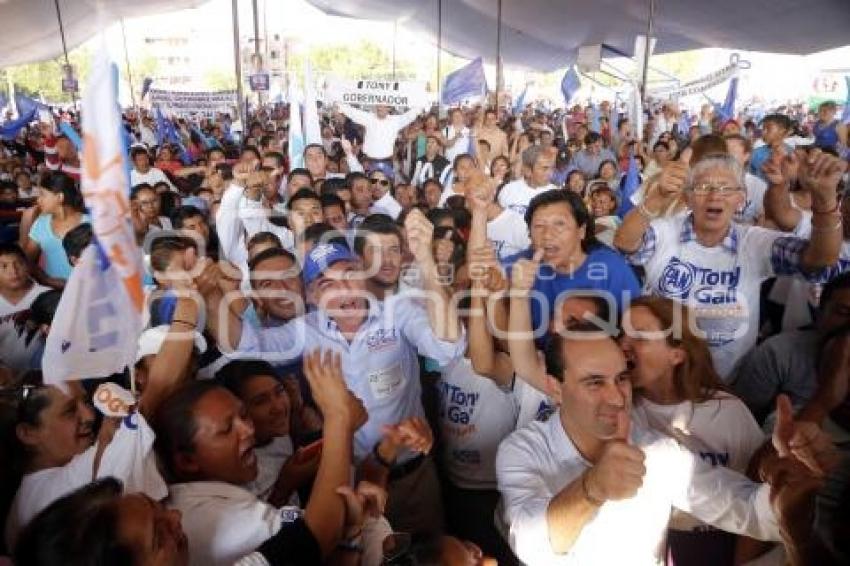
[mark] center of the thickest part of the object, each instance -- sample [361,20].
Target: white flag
[99,318]
[296,131]
[312,127]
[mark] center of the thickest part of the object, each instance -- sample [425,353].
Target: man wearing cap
[379,342]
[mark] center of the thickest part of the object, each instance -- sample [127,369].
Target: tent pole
[499,77]
[439,56]
[649,25]
[127,63]
[64,44]
[257,48]
[237,60]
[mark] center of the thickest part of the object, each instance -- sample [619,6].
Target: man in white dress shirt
[594,485]
[381,128]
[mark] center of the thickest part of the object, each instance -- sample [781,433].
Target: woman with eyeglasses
[59,208]
[54,448]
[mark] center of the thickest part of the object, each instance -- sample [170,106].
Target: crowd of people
[460,339]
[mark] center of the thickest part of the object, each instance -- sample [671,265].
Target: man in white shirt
[142,172]
[17,292]
[457,135]
[382,128]
[717,266]
[537,167]
[594,485]
[506,230]
[316,161]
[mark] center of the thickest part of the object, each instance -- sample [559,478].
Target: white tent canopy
[545,34]
[29,29]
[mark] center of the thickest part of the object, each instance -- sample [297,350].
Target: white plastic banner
[173,102]
[701,84]
[374,92]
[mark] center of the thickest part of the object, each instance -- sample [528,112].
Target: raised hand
[820,173]
[524,272]
[803,441]
[324,374]
[413,434]
[781,168]
[484,269]
[367,501]
[619,472]
[420,233]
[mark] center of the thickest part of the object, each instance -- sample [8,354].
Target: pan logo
[677,279]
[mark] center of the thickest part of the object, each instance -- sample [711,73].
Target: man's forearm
[566,516]
[827,236]
[442,313]
[777,207]
[521,343]
[630,233]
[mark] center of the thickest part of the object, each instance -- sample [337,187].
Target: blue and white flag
[4,100]
[631,184]
[570,84]
[595,125]
[99,318]
[296,131]
[845,116]
[519,105]
[27,112]
[146,86]
[466,82]
[727,110]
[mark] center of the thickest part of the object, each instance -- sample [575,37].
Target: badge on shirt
[385,382]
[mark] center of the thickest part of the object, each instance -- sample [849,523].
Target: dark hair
[9,185]
[210,151]
[252,149]
[79,529]
[607,162]
[329,200]
[185,212]
[837,283]
[169,202]
[300,171]
[662,144]
[235,374]
[553,352]
[304,193]
[77,239]
[12,249]
[315,145]
[136,189]
[270,253]
[333,185]
[436,215]
[707,146]
[322,231]
[353,176]
[375,224]
[137,150]
[591,137]
[780,120]
[175,424]
[164,247]
[263,237]
[226,171]
[577,207]
[62,183]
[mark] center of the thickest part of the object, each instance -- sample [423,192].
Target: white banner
[699,85]
[173,102]
[374,92]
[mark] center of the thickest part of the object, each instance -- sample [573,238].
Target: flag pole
[64,44]
[645,72]
[127,63]
[237,62]
[257,56]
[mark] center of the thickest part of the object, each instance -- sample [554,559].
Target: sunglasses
[382,182]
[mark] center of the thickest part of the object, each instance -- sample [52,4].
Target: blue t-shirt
[603,270]
[760,156]
[55,259]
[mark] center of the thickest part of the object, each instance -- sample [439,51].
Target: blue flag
[146,86]
[845,116]
[570,84]
[466,82]
[684,123]
[631,184]
[4,100]
[520,102]
[160,126]
[27,112]
[595,126]
[727,111]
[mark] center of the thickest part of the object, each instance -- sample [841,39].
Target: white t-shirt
[720,286]
[15,352]
[534,405]
[460,146]
[152,177]
[223,522]
[509,234]
[380,136]
[517,194]
[270,459]
[475,415]
[129,457]
[535,463]
[722,432]
[388,205]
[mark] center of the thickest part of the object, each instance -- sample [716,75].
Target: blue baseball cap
[321,257]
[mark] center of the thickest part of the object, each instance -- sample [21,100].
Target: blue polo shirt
[604,270]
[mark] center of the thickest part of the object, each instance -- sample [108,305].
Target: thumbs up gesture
[524,272]
[802,440]
[618,473]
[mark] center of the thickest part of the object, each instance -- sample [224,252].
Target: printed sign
[259,82]
[193,103]
[375,92]
[70,85]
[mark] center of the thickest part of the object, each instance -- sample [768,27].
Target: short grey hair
[530,156]
[716,161]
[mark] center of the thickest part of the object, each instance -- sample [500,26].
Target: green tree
[217,79]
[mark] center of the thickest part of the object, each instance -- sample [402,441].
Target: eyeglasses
[382,182]
[707,188]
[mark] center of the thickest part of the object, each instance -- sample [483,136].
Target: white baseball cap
[150,342]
